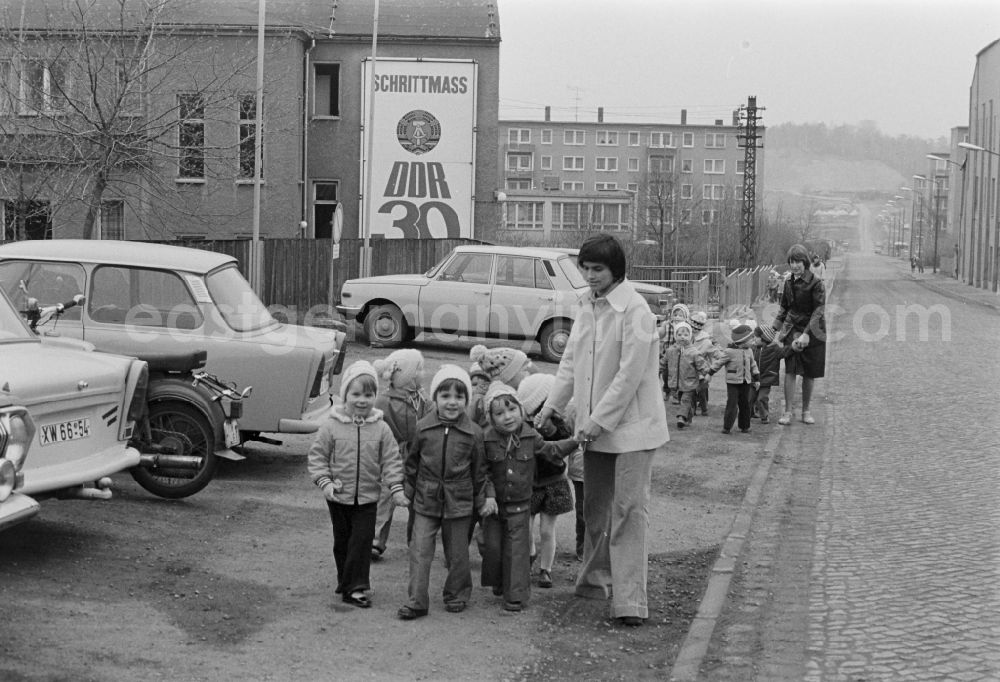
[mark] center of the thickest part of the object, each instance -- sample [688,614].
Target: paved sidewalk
[956,289]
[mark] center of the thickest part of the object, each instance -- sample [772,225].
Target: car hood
[38,373]
[411,280]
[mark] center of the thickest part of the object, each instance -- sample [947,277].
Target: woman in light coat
[609,369]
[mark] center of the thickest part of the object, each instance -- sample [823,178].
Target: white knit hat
[401,367]
[533,391]
[502,364]
[354,370]
[451,372]
[682,325]
[497,389]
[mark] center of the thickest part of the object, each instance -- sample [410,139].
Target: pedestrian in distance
[403,404]
[682,367]
[768,360]
[353,456]
[607,370]
[742,376]
[516,456]
[444,479]
[552,495]
[801,332]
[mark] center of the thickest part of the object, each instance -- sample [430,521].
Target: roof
[463,19]
[141,254]
[533,251]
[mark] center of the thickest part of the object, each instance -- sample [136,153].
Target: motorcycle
[190,420]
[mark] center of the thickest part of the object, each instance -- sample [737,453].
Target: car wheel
[180,431]
[553,339]
[385,326]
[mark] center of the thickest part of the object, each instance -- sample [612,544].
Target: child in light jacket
[353,456]
[742,376]
[683,366]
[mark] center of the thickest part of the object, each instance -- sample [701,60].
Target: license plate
[74,429]
[231,427]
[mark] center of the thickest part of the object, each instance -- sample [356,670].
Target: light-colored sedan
[144,299]
[16,433]
[504,292]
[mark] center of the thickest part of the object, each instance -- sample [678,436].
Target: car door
[523,297]
[457,299]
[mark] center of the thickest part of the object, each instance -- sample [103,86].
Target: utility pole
[749,141]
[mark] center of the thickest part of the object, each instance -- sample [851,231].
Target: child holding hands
[682,367]
[353,456]
[742,376]
[445,475]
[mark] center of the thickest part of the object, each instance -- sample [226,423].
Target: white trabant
[16,432]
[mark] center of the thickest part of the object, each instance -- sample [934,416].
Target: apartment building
[637,180]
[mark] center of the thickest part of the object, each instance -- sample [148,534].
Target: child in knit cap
[480,384]
[683,366]
[352,458]
[403,403]
[678,313]
[741,377]
[703,341]
[768,358]
[508,365]
[444,479]
[516,458]
[552,495]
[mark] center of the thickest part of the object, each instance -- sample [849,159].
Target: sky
[905,64]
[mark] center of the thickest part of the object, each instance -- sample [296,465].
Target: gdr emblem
[418,131]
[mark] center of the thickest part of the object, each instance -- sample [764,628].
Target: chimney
[600,114]
[548,113]
[684,117]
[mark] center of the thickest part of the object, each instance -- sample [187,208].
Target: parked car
[147,299]
[84,406]
[16,432]
[505,292]
[660,299]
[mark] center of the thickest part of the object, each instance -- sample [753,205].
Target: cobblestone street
[874,552]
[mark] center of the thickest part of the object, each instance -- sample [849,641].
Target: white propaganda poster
[423,148]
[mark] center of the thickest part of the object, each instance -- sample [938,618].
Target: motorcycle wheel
[182,430]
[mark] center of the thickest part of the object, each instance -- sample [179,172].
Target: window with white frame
[708,216]
[574,137]
[247,133]
[661,139]
[569,215]
[607,138]
[610,217]
[523,215]
[519,135]
[606,163]
[519,162]
[661,164]
[634,138]
[44,87]
[191,137]
[518,183]
[687,191]
[715,140]
[741,166]
[714,192]
[326,90]
[686,216]
[572,186]
[547,136]
[546,163]
[7,89]
[687,166]
[632,186]
[572,163]
[687,139]
[605,186]
[113,219]
[714,166]
[633,164]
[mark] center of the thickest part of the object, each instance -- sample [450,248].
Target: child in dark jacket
[353,456]
[515,454]
[444,478]
[741,377]
[768,359]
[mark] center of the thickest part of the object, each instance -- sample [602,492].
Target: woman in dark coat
[801,329]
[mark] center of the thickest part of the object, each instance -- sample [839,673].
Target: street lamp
[976,148]
[937,211]
[898,236]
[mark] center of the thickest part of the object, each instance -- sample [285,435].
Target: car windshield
[236,301]
[12,325]
[437,266]
[568,265]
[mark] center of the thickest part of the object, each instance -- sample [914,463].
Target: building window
[44,87]
[113,219]
[546,163]
[661,164]
[523,215]
[574,137]
[326,89]
[715,166]
[569,216]
[518,183]
[606,163]
[519,162]
[713,192]
[686,216]
[715,140]
[572,163]
[605,186]
[518,135]
[191,137]
[708,216]
[632,186]
[248,126]
[607,138]
[687,191]
[547,136]
[687,166]
[633,138]
[741,166]
[661,139]
[611,217]
[633,164]
[325,199]
[6,87]
[572,186]
[688,139]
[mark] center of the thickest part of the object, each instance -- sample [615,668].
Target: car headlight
[16,432]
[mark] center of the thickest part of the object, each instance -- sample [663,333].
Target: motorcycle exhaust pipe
[160,462]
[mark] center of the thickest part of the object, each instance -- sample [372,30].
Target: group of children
[690,357]
[462,455]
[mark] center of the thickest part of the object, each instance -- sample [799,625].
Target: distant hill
[800,171]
